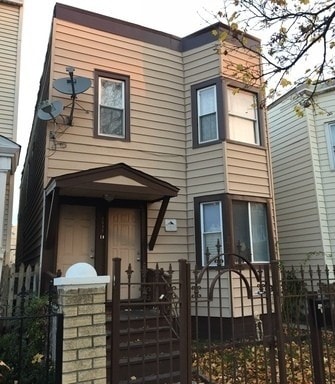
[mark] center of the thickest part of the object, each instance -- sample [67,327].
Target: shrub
[23,346]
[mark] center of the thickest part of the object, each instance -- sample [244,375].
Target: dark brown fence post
[317,352]
[185,323]
[279,322]
[115,335]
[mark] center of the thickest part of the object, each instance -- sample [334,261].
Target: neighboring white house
[303,156]
[10,31]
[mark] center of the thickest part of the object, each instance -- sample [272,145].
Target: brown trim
[117,76]
[144,34]
[228,224]
[159,221]
[197,221]
[115,26]
[101,237]
[272,244]
[159,187]
[217,82]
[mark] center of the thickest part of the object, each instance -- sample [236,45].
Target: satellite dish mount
[72,86]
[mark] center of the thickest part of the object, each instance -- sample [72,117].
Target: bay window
[239,225]
[221,111]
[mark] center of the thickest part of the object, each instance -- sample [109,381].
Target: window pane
[243,119]
[207,101]
[111,122]
[207,128]
[111,111]
[207,114]
[111,93]
[211,228]
[241,229]
[259,230]
[242,130]
[242,104]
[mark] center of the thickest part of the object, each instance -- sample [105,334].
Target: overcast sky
[178,17]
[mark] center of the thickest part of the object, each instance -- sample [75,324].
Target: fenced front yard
[286,333]
[228,322]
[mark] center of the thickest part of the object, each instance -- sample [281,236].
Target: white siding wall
[325,175]
[296,146]
[9,45]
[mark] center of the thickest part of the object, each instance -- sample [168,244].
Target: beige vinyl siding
[205,171]
[9,45]
[239,56]
[247,170]
[294,183]
[157,125]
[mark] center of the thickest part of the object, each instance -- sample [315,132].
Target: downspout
[42,244]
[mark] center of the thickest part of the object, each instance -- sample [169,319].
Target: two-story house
[303,160]
[160,155]
[10,30]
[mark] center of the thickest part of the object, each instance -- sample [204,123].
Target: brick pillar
[82,296]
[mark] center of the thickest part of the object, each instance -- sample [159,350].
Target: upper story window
[243,116]
[331,144]
[206,115]
[112,106]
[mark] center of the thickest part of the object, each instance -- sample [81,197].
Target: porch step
[148,349]
[138,347]
[149,365]
[165,378]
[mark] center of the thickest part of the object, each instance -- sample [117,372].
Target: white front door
[75,236]
[124,242]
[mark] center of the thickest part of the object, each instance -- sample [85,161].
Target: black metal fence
[228,322]
[31,342]
[264,324]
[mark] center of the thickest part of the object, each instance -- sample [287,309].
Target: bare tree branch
[296,35]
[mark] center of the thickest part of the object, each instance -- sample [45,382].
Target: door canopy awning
[114,182]
[118,181]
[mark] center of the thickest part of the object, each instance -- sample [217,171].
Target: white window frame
[203,232]
[200,115]
[330,135]
[123,109]
[243,116]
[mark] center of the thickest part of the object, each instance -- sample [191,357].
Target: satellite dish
[49,110]
[79,85]
[73,85]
